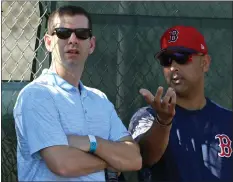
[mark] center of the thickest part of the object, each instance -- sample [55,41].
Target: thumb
[147,95]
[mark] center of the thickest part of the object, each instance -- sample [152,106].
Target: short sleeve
[37,118]
[141,122]
[117,128]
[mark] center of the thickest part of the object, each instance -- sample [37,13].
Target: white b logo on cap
[173,36]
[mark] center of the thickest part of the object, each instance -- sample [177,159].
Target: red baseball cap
[182,39]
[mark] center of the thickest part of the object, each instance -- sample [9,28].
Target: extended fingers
[168,98]
[147,95]
[172,103]
[157,102]
[158,96]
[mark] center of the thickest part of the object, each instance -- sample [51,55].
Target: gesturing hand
[164,107]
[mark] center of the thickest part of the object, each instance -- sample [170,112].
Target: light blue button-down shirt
[47,110]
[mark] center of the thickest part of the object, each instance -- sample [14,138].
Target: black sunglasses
[165,59]
[65,33]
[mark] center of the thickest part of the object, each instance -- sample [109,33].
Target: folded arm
[122,155]
[71,162]
[46,138]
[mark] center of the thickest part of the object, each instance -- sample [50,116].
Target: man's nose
[174,66]
[73,39]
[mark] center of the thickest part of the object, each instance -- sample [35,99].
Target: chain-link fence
[127,36]
[22,22]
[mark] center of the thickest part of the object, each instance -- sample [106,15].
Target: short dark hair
[67,10]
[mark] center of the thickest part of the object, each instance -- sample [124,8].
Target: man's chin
[179,89]
[72,62]
[181,92]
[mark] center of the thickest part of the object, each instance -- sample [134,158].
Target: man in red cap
[183,136]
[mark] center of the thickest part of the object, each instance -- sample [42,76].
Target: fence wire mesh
[21,25]
[127,35]
[20,21]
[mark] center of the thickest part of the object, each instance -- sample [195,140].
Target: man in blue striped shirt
[65,130]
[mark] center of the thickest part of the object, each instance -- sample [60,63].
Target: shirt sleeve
[38,120]
[117,128]
[141,122]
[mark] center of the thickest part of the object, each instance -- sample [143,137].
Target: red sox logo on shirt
[225,145]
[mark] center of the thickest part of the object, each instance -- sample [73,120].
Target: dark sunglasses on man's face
[165,59]
[65,33]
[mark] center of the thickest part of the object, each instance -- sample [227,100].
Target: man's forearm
[82,143]
[122,156]
[154,143]
[71,162]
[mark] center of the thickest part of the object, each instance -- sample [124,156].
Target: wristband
[93,143]
[159,121]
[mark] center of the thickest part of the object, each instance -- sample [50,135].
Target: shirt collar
[55,79]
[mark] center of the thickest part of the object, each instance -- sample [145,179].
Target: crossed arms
[68,155]
[74,160]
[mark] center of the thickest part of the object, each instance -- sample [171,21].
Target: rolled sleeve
[141,122]
[40,121]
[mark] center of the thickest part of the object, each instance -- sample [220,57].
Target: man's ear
[48,42]
[206,63]
[92,44]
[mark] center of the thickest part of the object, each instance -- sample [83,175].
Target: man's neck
[72,76]
[192,103]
